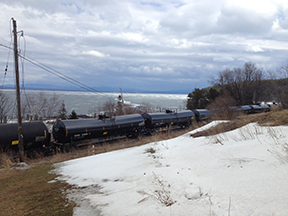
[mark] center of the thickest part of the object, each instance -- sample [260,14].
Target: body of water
[85,102]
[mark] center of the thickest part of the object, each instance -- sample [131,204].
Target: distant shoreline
[79,90]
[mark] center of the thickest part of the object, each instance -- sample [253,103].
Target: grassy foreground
[27,192]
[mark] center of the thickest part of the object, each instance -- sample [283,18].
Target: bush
[221,107]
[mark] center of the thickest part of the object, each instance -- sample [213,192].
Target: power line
[10,48]
[24,51]
[6,67]
[56,73]
[6,46]
[60,75]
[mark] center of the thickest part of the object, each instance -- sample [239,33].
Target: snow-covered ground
[241,172]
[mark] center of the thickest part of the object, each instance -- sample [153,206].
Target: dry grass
[273,118]
[5,160]
[27,192]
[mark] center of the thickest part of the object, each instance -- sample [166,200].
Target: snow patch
[245,175]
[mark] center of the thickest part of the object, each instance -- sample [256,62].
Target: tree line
[243,86]
[40,107]
[34,107]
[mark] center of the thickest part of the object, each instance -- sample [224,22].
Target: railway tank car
[68,131]
[202,114]
[158,120]
[260,108]
[184,118]
[35,136]
[252,109]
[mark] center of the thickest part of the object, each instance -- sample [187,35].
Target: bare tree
[145,108]
[52,104]
[283,70]
[244,85]
[281,85]
[252,88]
[5,106]
[39,106]
[35,106]
[108,107]
[278,85]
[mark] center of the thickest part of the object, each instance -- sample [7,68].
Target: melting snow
[244,175]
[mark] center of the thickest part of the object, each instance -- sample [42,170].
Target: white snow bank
[242,172]
[207,126]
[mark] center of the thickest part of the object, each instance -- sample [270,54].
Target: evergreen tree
[197,99]
[213,94]
[200,98]
[73,115]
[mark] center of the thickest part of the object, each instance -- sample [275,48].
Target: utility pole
[20,131]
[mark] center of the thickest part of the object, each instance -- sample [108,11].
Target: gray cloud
[145,45]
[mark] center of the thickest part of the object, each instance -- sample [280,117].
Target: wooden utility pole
[20,131]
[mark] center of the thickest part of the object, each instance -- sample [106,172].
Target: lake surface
[84,102]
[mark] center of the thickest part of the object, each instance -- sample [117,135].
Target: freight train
[71,132]
[74,131]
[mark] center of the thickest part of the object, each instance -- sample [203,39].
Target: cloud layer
[145,45]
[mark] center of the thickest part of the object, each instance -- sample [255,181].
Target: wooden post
[20,131]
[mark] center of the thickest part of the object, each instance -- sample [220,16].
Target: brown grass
[5,160]
[273,118]
[27,192]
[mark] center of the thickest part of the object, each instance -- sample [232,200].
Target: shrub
[221,107]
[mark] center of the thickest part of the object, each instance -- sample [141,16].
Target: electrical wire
[60,75]
[22,56]
[22,68]
[56,73]
[6,67]
[20,51]
[49,70]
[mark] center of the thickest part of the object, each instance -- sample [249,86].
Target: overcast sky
[146,45]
